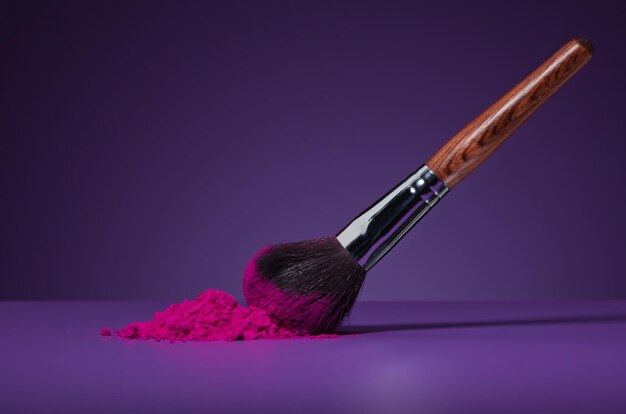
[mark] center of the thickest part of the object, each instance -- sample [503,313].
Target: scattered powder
[213,315]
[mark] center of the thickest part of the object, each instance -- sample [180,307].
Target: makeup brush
[312,285]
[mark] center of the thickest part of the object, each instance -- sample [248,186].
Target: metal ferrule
[375,231]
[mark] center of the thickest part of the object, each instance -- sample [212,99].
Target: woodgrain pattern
[480,138]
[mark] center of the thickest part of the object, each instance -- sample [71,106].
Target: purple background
[147,151]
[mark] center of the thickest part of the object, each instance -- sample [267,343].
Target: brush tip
[309,286]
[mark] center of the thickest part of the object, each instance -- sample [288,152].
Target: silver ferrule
[375,231]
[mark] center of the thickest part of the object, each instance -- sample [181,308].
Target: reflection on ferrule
[375,231]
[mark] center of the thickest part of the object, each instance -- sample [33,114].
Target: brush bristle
[309,286]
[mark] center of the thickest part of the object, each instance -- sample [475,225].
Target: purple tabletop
[433,357]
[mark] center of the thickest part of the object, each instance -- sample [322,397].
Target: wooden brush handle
[481,137]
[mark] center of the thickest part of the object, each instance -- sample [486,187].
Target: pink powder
[213,315]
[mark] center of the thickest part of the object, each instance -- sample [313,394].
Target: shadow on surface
[357,329]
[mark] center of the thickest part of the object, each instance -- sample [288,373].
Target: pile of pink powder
[213,315]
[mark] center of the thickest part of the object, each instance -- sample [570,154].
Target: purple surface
[149,143]
[430,357]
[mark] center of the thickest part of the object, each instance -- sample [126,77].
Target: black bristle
[320,281]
